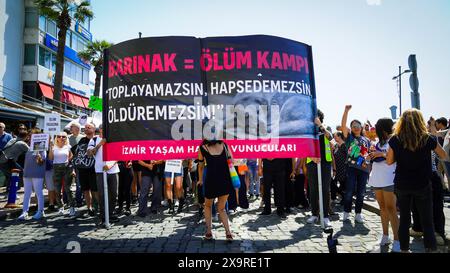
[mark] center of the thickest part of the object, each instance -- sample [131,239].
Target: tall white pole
[105,193]
[319,180]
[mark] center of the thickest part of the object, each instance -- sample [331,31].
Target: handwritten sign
[52,124]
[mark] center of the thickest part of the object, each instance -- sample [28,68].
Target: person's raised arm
[344,128]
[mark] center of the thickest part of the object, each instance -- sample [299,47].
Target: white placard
[83,119]
[173,166]
[52,124]
[39,142]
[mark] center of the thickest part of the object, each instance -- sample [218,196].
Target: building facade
[28,60]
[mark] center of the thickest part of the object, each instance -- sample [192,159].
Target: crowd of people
[404,162]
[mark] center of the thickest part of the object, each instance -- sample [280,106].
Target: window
[53,62]
[73,71]
[67,68]
[51,28]
[31,18]
[85,76]
[44,57]
[42,23]
[81,45]
[30,55]
[69,38]
[74,42]
[79,74]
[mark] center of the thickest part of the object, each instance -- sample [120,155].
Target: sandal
[208,236]
[229,238]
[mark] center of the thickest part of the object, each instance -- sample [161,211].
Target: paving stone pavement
[183,233]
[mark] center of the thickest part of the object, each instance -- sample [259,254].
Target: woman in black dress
[213,155]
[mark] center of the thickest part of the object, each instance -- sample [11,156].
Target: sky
[358,45]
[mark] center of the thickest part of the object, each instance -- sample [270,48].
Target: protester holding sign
[274,173]
[84,166]
[125,180]
[214,155]
[358,162]
[411,148]
[151,178]
[178,182]
[325,162]
[95,148]
[33,178]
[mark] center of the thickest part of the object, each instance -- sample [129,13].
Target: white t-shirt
[382,174]
[61,155]
[99,163]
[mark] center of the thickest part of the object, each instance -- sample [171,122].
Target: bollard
[14,184]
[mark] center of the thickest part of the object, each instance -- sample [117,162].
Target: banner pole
[319,180]
[105,193]
[173,178]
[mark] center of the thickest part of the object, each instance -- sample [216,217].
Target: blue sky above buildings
[357,44]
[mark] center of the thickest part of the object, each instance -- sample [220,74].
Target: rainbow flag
[234,176]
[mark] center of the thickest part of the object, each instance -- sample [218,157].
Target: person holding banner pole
[359,165]
[214,155]
[274,172]
[107,191]
[319,176]
[151,173]
[33,176]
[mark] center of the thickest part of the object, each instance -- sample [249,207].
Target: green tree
[59,11]
[94,54]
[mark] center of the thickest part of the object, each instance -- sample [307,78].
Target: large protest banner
[162,96]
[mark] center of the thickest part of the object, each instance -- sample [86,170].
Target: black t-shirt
[277,164]
[156,171]
[80,158]
[413,170]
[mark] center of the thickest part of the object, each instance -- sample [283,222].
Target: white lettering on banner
[156,90]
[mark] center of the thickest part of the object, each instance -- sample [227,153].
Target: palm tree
[59,11]
[94,54]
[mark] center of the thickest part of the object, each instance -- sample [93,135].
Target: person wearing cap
[85,169]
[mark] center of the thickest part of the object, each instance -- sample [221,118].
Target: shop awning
[47,91]
[66,96]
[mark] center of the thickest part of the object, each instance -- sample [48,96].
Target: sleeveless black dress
[217,181]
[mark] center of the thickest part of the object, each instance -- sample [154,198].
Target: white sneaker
[39,215]
[165,203]
[326,222]
[312,220]
[396,247]
[72,212]
[61,211]
[261,205]
[346,216]
[23,216]
[385,240]
[359,218]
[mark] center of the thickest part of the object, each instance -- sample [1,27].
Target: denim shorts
[386,189]
[169,175]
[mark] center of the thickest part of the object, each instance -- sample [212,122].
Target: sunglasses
[63,137]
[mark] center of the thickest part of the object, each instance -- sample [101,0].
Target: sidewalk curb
[371,208]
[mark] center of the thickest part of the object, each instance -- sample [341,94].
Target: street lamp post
[399,78]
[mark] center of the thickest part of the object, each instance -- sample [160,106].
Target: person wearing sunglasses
[61,155]
[358,163]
